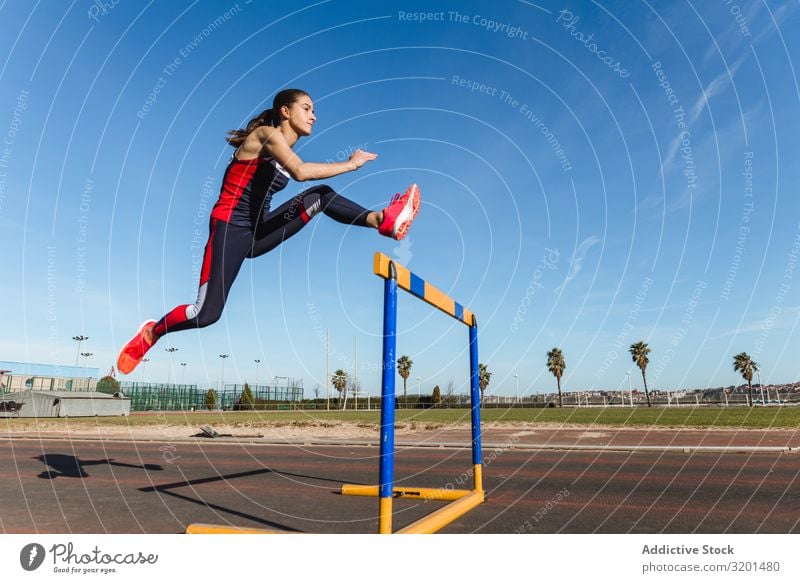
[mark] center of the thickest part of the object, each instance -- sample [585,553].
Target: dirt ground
[523,434]
[271,431]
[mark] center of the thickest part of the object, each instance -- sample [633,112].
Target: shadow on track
[169,490]
[69,466]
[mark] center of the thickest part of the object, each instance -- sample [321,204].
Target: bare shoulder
[256,143]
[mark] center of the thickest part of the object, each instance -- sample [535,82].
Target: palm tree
[404,369]
[556,365]
[339,382]
[742,363]
[639,352]
[484,377]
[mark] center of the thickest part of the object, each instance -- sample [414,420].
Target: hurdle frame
[461,501]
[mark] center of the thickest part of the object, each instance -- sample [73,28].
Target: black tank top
[247,190]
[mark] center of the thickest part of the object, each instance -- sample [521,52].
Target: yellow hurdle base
[461,502]
[217,529]
[406,492]
[444,516]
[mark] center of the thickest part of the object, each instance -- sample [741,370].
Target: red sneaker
[398,216]
[133,352]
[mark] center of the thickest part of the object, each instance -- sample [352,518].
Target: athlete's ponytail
[268,117]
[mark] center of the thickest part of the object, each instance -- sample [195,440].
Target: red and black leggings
[228,245]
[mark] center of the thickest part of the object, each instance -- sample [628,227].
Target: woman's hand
[360,157]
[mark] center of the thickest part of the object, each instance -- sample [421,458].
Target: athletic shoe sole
[125,363]
[407,215]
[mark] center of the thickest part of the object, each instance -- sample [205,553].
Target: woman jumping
[242,224]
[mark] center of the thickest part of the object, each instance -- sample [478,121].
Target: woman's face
[301,115]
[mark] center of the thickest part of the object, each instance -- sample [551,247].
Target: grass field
[701,417]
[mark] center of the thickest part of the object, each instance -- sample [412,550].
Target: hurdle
[461,501]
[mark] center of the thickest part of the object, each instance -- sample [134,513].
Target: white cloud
[716,87]
[783,320]
[577,259]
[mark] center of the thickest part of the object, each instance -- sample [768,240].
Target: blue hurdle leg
[386,480]
[476,404]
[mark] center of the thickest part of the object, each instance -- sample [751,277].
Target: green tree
[556,365]
[108,385]
[484,377]
[339,382]
[742,363]
[404,365]
[639,352]
[211,399]
[247,401]
[436,396]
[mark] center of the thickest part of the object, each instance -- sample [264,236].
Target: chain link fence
[163,397]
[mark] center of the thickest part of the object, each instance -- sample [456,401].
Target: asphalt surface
[541,481]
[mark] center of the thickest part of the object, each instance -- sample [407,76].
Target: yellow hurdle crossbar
[417,286]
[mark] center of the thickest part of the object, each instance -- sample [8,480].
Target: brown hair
[270,117]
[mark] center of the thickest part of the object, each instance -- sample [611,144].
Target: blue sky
[592,175]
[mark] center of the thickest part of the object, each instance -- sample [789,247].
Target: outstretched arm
[273,141]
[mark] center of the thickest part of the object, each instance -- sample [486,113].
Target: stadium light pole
[171,350]
[327,372]
[144,368]
[222,374]
[419,392]
[80,339]
[516,383]
[183,373]
[86,356]
[257,361]
[355,372]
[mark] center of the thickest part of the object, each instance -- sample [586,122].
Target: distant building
[21,376]
[62,404]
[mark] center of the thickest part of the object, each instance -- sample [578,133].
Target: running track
[72,486]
